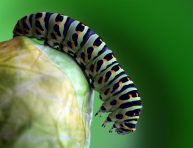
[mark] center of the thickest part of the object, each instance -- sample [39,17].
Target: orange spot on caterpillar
[130,96]
[94,46]
[104,60]
[58,24]
[78,32]
[120,84]
[112,71]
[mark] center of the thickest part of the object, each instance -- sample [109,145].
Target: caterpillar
[116,89]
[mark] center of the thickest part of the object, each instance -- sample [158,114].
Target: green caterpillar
[118,92]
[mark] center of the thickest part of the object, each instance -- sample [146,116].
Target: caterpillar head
[17,30]
[22,27]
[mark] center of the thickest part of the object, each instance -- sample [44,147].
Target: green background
[153,41]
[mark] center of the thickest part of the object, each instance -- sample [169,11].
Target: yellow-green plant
[45,99]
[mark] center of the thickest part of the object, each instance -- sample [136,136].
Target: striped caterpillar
[116,89]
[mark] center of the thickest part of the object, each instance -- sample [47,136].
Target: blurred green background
[153,41]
